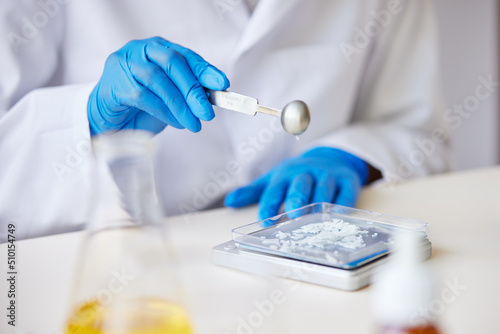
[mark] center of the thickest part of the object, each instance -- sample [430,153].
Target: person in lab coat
[72,69]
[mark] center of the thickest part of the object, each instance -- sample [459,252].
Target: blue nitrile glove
[151,83]
[322,174]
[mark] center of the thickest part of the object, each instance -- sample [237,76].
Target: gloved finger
[131,93]
[144,121]
[153,78]
[143,99]
[348,191]
[247,195]
[325,189]
[272,198]
[177,69]
[208,75]
[299,191]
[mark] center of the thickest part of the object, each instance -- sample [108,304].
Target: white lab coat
[379,101]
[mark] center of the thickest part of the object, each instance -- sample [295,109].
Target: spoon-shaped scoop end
[295,117]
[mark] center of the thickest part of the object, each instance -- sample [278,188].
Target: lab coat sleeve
[397,125]
[44,135]
[46,162]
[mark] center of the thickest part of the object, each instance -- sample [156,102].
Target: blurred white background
[469,49]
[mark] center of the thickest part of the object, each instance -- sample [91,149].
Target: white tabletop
[463,212]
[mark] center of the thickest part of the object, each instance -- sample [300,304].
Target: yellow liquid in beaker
[144,316]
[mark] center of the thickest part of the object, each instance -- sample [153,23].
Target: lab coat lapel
[266,15]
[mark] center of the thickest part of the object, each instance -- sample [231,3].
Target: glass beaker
[126,281]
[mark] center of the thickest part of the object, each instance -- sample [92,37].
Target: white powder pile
[323,235]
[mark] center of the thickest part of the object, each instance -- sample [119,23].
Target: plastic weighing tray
[320,243]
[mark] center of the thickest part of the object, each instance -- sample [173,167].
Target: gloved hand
[322,174]
[151,83]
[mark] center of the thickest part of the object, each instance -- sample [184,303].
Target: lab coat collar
[265,16]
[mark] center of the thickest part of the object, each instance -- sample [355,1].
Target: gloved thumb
[213,78]
[247,195]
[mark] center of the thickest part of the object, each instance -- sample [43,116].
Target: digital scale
[321,243]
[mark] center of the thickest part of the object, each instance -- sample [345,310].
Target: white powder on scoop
[323,235]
